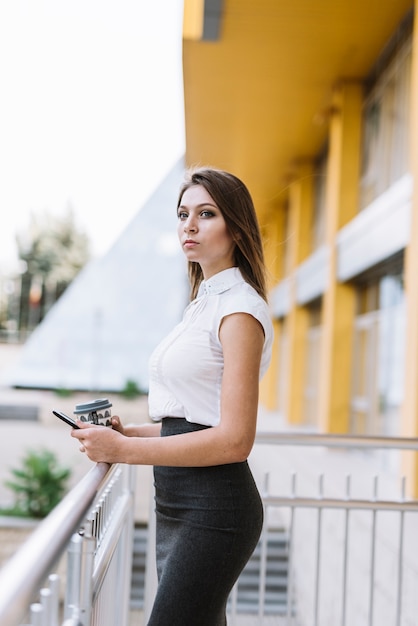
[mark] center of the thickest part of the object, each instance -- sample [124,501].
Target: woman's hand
[117,425]
[100,443]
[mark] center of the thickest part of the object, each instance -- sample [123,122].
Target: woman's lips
[189,243]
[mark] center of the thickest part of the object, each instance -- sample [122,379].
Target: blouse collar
[220,282]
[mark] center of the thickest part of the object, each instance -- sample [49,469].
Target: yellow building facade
[315,107]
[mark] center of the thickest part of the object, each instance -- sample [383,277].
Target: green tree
[53,251]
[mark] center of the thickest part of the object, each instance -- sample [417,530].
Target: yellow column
[273,236]
[338,306]
[300,243]
[410,404]
[193,14]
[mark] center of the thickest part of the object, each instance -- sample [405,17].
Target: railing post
[54,585]
[36,614]
[345,552]
[318,551]
[73,621]
[151,581]
[80,578]
[73,575]
[86,582]
[290,574]
[263,554]
[373,555]
[400,558]
[46,602]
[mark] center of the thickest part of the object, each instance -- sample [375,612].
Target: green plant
[131,389]
[63,392]
[38,485]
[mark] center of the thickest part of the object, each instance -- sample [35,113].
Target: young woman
[203,398]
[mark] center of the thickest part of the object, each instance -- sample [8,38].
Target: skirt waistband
[179,425]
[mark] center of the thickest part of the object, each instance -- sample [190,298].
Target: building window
[378,357]
[385,151]
[283,367]
[312,365]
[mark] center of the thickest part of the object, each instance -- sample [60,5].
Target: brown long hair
[236,205]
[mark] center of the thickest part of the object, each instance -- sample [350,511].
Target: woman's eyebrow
[199,206]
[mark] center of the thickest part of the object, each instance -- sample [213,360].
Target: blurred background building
[100,333]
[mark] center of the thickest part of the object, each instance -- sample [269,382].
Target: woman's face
[203,233]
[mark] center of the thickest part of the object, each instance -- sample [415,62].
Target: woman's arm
[242,339]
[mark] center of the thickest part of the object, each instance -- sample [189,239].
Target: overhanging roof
[255,98]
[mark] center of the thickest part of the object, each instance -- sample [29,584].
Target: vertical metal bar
[99,523]
[263,577]
[46,602]
[318,551]
[102,518]
[86,579]
[400,557]
[290,555]
[95,514]
[151,581]
[263,557]
[54,585]
[373,554]
[95,523]
[103,514]
[74,620]
[108,497]
[345,557]
[126,486]
[234,601]
[36,614]
[88,527]
[72,595]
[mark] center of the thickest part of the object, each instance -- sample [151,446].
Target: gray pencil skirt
[209,520]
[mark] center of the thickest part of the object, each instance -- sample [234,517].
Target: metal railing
[95,522]
[346,563]
[350,561]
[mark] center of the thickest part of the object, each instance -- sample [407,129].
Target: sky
[91,111]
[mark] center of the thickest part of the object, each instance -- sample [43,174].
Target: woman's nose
[190,225]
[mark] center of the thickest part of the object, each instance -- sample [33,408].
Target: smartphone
[65,418]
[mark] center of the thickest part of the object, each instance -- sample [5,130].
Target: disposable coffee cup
[95,412]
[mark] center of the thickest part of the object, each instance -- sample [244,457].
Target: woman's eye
[182,215]
[207,214]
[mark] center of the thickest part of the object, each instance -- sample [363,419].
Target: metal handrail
[336,440]
[410,506]
[348,530]
[39,554]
